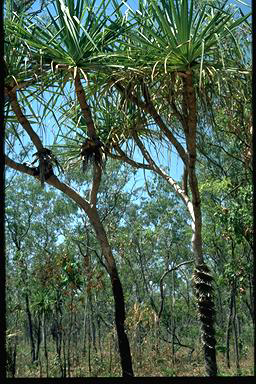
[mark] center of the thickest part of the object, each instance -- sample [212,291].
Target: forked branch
[161,283]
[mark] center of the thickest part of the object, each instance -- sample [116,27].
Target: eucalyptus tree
[170,67]
[40,56]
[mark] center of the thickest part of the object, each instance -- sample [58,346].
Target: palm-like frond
[74,36]
[174,34]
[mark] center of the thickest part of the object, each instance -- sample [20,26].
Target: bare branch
[125,158]
[150,109]
[24,121]
[19,167]
[179,191]
[161,283]
[52,180]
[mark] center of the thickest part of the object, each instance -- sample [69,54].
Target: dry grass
[148,362]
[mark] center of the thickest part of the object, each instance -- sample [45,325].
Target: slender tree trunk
[14,356]
[45,344]
[250,303]
[75,336]
[89,344]
[38,336]
[139,337]
[64,371]
[110,354]
[99,338]
[123,342]
[40,368]
[228,331]
[69,335]
[221,309]
[31,336]
[84,328]
[11,353]
[92,321]
[173,318]
[203,280]
[59,331]
[236,337]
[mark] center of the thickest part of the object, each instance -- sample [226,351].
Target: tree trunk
[45,343]
[38,336]
[64,371]
[69,335]
[89,345]
[58,330]
[92,321]
[173,321]
[110,354]
[11,354]
[203,281]
[32,342]
[228,332]
[99,338]
[236,336]
[124,347]
[84,328]
[123,342]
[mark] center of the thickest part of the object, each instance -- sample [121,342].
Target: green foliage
[54,261]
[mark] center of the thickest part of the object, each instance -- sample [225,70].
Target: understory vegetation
[56,278]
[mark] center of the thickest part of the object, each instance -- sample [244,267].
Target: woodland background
[60,313]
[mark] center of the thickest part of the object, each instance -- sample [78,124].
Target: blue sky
[245,5]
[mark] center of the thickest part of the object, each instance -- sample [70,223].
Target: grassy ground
[146,363]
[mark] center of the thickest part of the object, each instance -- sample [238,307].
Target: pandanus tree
[171,67]
[44,55]
[140,79]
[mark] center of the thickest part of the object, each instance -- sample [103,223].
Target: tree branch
[150,109]
[24,121]
[179,191]
[52,180]
[19,167]
[161,283]
[122,156]
[185,180]
[85,107]
[97,171]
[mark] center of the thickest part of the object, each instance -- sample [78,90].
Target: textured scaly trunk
[202,279]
